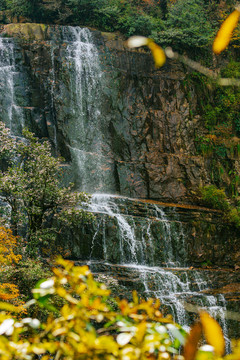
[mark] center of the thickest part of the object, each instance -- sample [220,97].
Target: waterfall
[52,90]
[148,249]
[172,282]
[132,249]
[10,112]
[85,128]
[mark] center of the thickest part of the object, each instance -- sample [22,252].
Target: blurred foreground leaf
[213,333]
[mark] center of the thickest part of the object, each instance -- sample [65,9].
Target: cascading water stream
[150,248]
[9,110]
[163,282]
[135,247]
[86,81]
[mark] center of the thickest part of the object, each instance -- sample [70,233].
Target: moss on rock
[28,31]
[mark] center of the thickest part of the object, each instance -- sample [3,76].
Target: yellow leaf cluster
[8,256]
[132,331]
[8,245]
[8,291]
[87,327]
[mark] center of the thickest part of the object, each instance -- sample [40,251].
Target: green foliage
[182,23]
[187,24]
[214,197]
[111,15]
[205,145]
[31,186]
[26,8]
[2,5]
[26,274]
[220,111]
[233,216]
[223,106]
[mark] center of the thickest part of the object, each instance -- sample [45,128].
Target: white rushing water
[9,109]
[171,283]
[85,83]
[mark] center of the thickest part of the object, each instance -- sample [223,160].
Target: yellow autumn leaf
[191,345]
[158,54]
[135,297]
[141,332]
[225,32]
[213,333]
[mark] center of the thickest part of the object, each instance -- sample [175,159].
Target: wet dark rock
[148,145]
[144,148]
[200,237]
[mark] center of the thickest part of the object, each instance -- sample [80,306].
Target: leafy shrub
[26,274]
[125,16]
[214,197]
[9,291]
[187,24]
[141,24]
[233,216]
[2,5]
[31,186]
[87,327]
[25,8]
[223,103]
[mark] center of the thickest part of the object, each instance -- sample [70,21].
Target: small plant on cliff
[214,197]
[31,185]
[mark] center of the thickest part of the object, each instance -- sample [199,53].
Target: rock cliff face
[194,254]
[145,116]
[197,236]
[124,128]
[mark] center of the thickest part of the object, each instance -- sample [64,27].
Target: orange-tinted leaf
[225,32]
[157,53]
[191,346]
[213,333]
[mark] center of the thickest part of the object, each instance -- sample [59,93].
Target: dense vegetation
[37,206]
[81,319]
[92,325]
[31,185]
[188,23]
[220,143]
